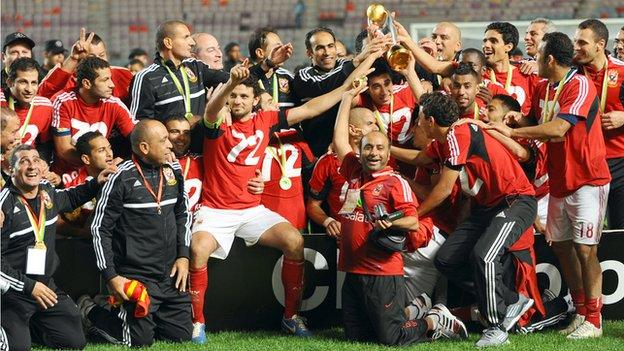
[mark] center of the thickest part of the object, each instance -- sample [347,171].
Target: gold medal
[285,183]
[188,115]
[40,245]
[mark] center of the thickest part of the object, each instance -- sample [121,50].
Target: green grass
[333,340]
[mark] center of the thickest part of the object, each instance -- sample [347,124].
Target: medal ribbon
[187,166]
[509,76]
[37,224]
[549,109]
[476,110]
[275,91]
[603,91]
[184,91]
[22,129]
[147,184]
[380,122]
[281,159]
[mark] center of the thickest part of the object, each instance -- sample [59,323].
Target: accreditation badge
[35,259]
[169,176]
[352,200]
[191,75]
[284,87]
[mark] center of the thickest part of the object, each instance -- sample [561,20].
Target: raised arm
[341,129]
[219,97]
[414,157]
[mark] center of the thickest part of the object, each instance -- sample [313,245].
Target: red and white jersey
[521,87]
[289,203]
[357,254]
[495,89]
[328,184]
[57,80]
[193,171]
[614,138]
[400,126]
[232,154]
[80,215]
[579,158]
[487,170]
[40,120]
[540,181]
[481,111]
[73,116]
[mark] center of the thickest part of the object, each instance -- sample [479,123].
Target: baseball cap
[17,37]
[55,46]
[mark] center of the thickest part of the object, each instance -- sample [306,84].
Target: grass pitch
[333,340]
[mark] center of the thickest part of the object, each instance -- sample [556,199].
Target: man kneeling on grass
[373,294]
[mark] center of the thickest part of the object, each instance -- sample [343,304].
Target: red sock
[593,307]
[292,279]
[198,287]
[578,299]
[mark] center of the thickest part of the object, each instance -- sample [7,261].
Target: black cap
[55,46]
[136,52]
[17,37]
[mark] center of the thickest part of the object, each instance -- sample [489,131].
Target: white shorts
[248,224]
[420,274]
[579,216]
[542,208]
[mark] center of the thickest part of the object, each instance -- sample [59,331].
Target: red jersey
[73,116]
[232,154]
[328,184]
[40,119]
[487,170]
[193,171]
[481,111]
[57,80]
[289,203]
[495,89]
[520,87]
[614,138]
[79,216]
[400,126]
[579,158]
[385,187]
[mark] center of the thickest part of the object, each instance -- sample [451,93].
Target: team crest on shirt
[613,78]
[47,201]
[191,75]
[169,176]
[377,190]
[284,87]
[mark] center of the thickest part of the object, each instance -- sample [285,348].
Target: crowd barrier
[245,291]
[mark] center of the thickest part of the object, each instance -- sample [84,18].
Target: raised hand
[281,53]
[240,72]
[82,47]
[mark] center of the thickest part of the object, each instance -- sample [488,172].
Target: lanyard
[37,224]
[509,76]
[380,123]
[275,91]
[22,129]
[476,110]
[603,91]
[148,186]
[549,109]
[185,92]
[187,166]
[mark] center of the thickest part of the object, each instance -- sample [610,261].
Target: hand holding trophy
[398,56]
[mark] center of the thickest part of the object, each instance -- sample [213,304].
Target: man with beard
[618,45]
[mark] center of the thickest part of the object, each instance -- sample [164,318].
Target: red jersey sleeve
[61,119]
[121,77]
[55,81]
[458,140]
[320,176]
[122,117]
[350,167]
[432,150]
[402,197]
[406,94]
[573,99]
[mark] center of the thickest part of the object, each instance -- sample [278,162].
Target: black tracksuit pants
[169,317]
[24,322]
[615,204]
[475,255]
[373,310]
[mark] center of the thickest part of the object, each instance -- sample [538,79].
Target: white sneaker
[586,330]
[576,322]
[446,324]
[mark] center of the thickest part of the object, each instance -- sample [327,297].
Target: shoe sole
[515,320]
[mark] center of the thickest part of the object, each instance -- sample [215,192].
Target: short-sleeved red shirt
[579,158]
[521,87]
[487,170]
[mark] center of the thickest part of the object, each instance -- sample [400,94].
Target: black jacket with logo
[130,237]
[18,234]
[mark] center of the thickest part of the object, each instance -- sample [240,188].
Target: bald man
[207,50]
[141,234]
[447,37]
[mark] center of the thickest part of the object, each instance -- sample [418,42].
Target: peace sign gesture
[81,48]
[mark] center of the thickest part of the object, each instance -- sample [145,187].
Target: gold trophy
[397,56]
